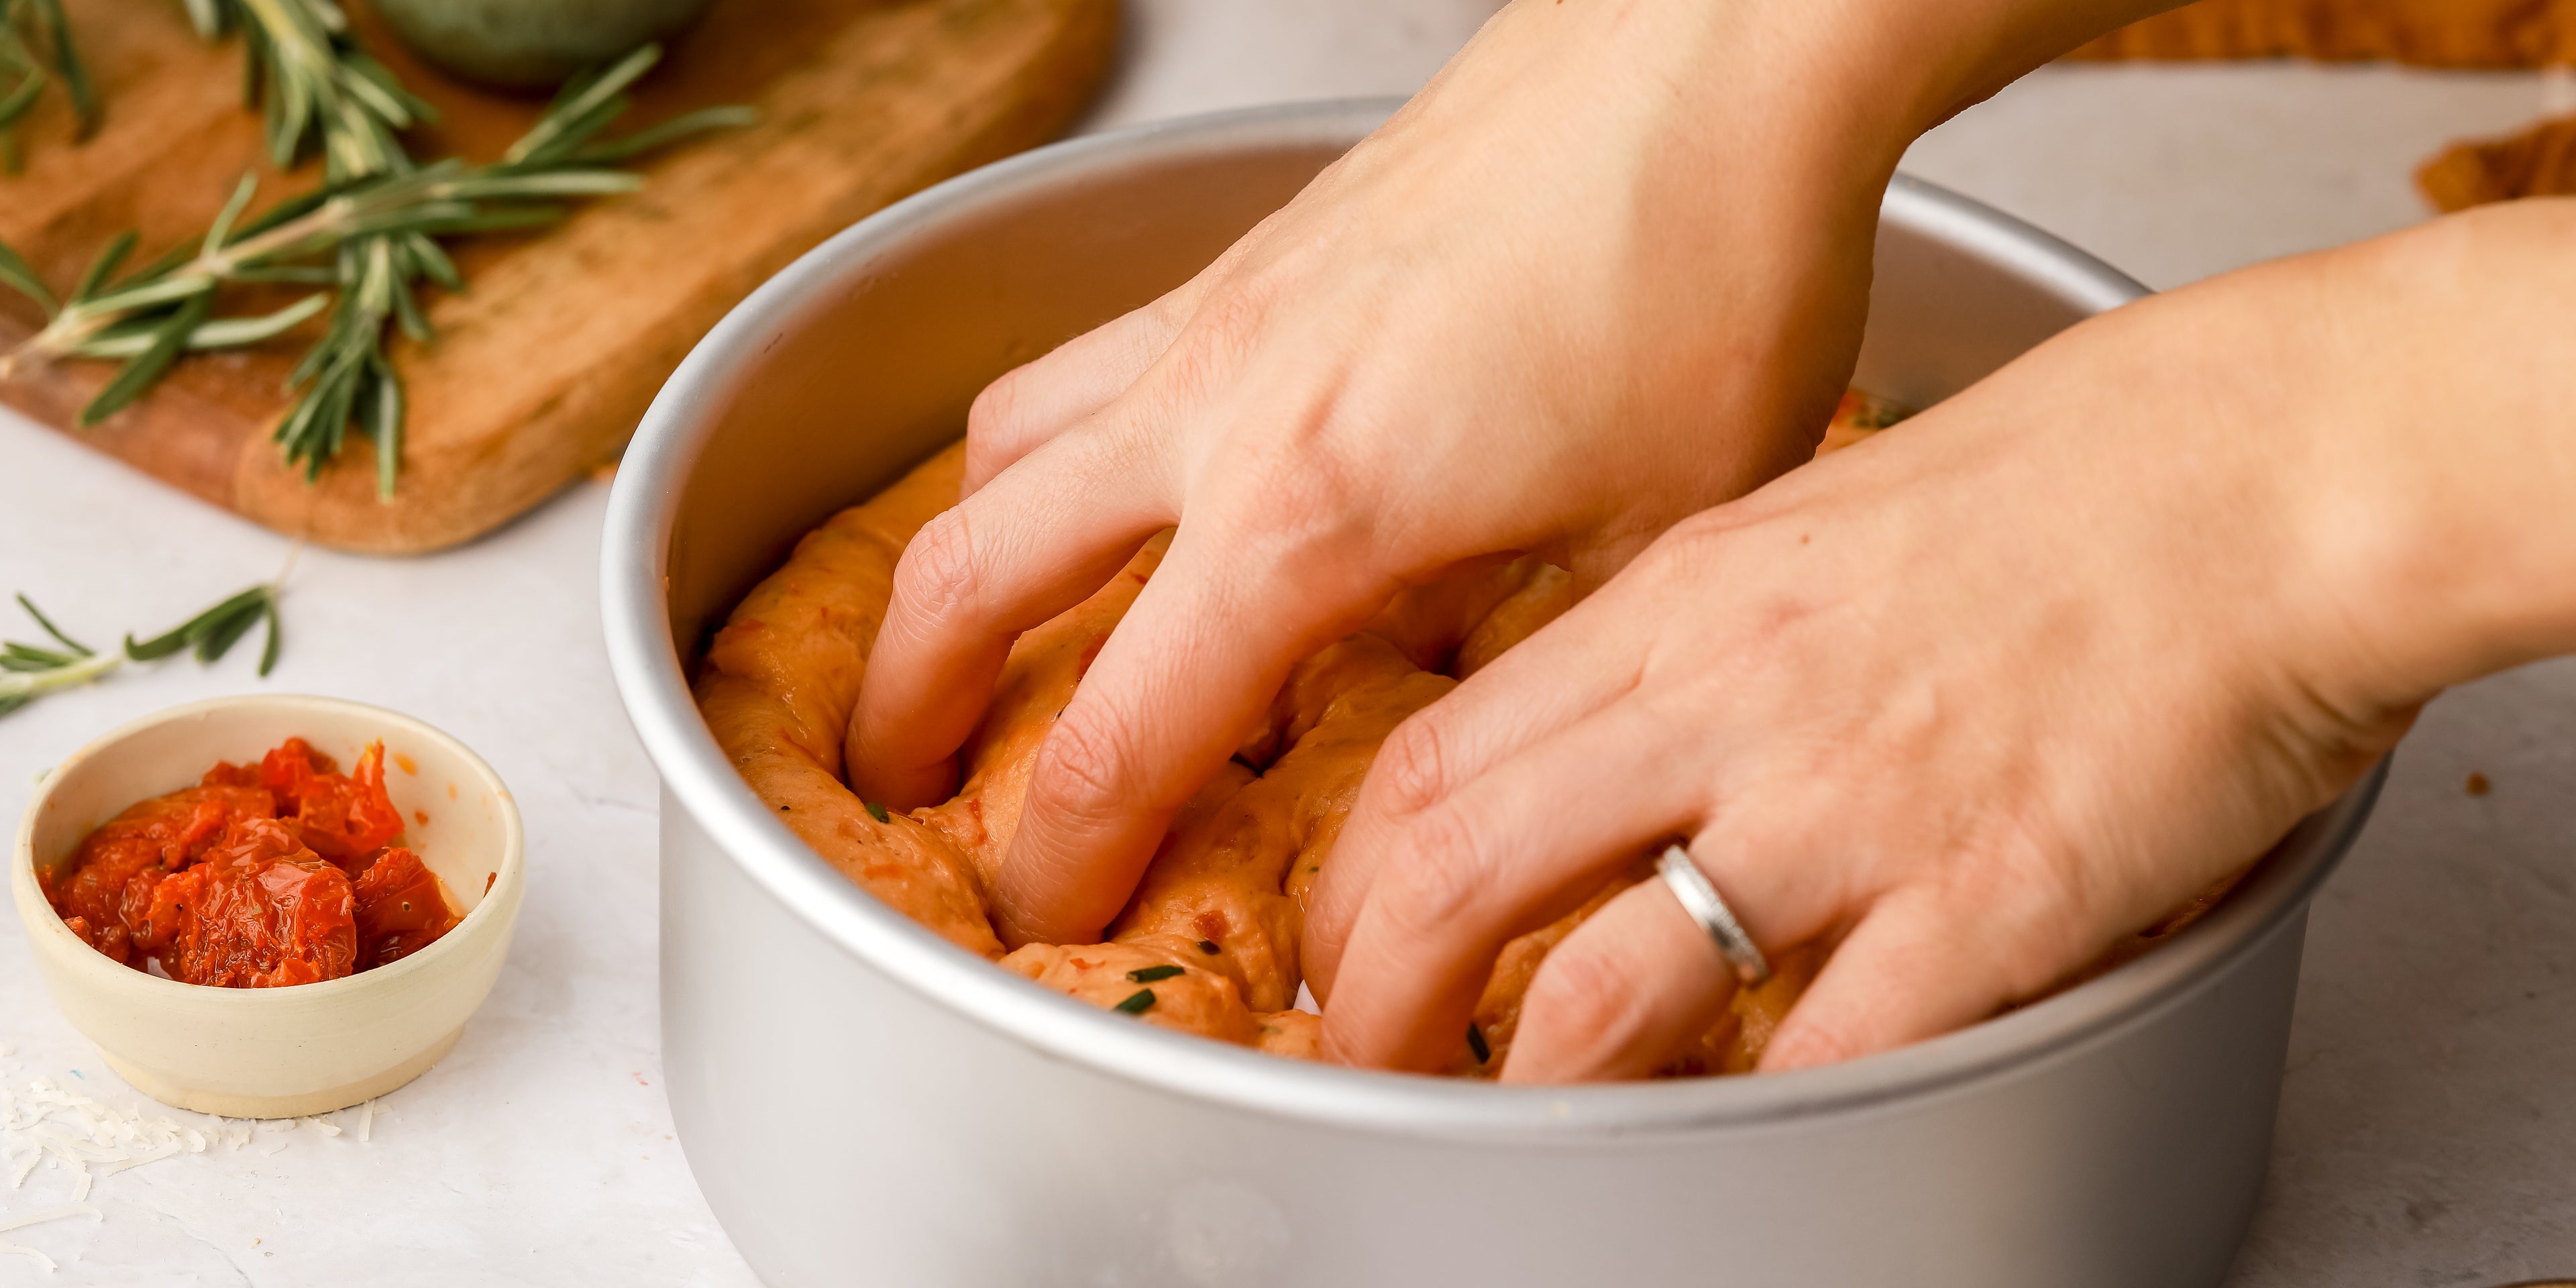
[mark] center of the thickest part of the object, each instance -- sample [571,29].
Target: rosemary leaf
[1137,1003]
[47,624]
[28,657]
[291,274]
[580,98]
[223,333]
[222,228]
[189,631]
[22,96]
[1476,1043]
[1149,974]
[105,266]
[385,423]
[220,637]
[668,132]
[276,632]
[876,811]
[27,670]
[142,369]
[432,262]
[15,275]
[67,61]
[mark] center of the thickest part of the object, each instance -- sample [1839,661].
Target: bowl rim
[498,903]
[700,780]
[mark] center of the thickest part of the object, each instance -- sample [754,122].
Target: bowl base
[176,1093]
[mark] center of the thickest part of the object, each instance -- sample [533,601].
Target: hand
[1986,692]
[1607,270]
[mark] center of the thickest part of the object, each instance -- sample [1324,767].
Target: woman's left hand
[1981,695]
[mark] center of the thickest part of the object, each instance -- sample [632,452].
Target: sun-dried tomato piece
[260,910]
[108,884]
[343,817]
[400,908]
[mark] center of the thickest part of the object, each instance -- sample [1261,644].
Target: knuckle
[1802,1043]
[937,575]
[1438,878]
[1585,1000]
[993,421]
[1409,769]
[1082,774]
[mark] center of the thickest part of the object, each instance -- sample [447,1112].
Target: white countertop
[2428,1128]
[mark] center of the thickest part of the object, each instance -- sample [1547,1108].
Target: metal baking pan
[863,1103]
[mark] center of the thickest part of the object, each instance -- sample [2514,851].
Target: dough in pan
[1214,928]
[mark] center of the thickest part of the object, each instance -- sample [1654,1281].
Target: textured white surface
[2428,1131]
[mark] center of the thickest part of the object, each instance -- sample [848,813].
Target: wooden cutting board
[544,364]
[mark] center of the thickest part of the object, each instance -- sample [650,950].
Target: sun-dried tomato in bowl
[283,872]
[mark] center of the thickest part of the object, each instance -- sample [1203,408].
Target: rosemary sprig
[30,670]
[316,90]
[35,48]
[372,237]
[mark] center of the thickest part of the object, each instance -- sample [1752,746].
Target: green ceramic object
[531,44]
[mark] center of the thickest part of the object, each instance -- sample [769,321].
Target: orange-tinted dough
[2539,162]
[1214,928]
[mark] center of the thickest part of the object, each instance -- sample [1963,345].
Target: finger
[1554,678]
[1032,405]
[1036,402]
[1622,995]
[1206,646]
[1508,852]
[1036,543]
[1908,971]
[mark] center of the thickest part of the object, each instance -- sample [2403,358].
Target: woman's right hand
[1977,697]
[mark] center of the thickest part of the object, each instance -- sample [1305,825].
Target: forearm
[1889,69]
[2449,348]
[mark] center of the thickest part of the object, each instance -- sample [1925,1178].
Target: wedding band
[1701,901]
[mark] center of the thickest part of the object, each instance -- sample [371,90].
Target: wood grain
[543,366]
[2426,33]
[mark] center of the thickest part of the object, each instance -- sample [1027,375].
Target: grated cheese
[42,1119]
[56,1213]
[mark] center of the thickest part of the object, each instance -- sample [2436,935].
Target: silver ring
[1701,901]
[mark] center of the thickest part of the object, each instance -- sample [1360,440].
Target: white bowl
[309,1048]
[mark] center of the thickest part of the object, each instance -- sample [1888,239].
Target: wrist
[1894,67]
[2447,531]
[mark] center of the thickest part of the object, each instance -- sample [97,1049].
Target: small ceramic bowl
[531,44]
[309,1048]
